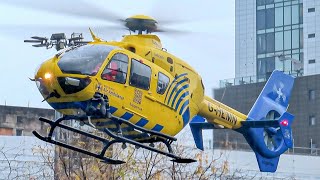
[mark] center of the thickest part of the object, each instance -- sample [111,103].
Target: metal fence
[246,147]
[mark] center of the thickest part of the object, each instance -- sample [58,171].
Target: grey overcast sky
[209,48]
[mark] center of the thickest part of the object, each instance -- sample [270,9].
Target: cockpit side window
[117,69]
[163,82]
[140,75]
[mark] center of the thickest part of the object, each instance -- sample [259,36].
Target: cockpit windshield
[85,59]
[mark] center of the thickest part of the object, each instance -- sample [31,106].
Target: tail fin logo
[278,91]
[287,134]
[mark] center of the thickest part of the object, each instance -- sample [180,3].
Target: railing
[250,79]
[245,147]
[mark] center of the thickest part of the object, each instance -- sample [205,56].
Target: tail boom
[268,137]
[218,113]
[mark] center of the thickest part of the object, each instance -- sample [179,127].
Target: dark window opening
[116,69]
[312,94]
[132,49]
[19,132]
[311,10]
[19,120]
[163,82]
[140,75]
[312,61]
[312,120]
[169,60]
[311,35]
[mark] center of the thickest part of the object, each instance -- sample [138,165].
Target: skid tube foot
[183,160]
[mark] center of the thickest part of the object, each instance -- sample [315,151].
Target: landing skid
[117,138]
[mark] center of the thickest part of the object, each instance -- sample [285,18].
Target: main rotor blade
[32,41]
[25,31]
[71,7]
[39,38]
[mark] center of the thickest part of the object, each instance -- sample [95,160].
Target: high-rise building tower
[277,34]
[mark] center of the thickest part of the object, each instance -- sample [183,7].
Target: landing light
[47,76]
[284,122]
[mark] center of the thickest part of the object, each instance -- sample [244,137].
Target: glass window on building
[260,2]
[269,1]
[301,38]
[265,66]
[261,43]
[261,19]
[312,94]
[312,120]
[269,18]
[295,14]
[270,42]
[295,39]
[287,40]
[279,41]
[301,13]
[278,16]
[287,15]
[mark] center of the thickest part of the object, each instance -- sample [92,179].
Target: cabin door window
[140,75]
[117,69]
[163,82]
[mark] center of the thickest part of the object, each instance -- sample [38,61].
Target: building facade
[21,121]
[277,34]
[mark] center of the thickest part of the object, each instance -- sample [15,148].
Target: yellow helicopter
[138,93]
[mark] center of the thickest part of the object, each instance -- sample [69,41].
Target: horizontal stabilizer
[196,125]
[260,123]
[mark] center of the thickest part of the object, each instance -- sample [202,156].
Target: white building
[266,29]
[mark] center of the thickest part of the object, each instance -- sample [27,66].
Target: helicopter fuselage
[157,91]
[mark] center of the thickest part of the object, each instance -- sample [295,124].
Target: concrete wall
[22,121]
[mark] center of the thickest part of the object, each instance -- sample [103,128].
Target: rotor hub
[141,23]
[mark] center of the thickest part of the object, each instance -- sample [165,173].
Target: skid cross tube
[130,141]
[118,138]
[54,124]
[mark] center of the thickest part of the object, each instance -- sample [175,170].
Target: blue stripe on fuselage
[175,79]
[157,127]
[126,116]
[175,87]
[142,122]
[177,94]
[181,98]
[186,103]
[186,117]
